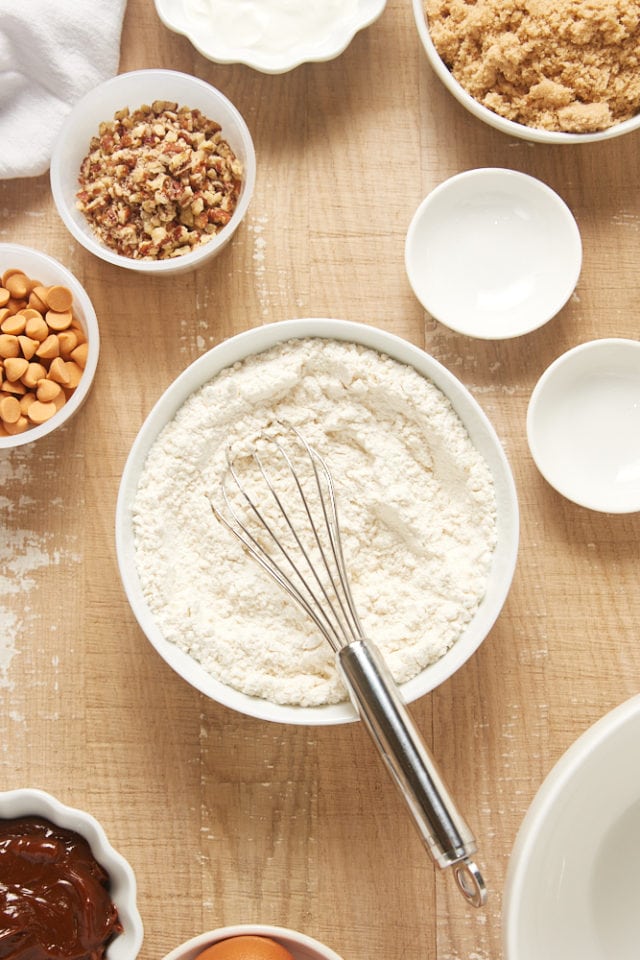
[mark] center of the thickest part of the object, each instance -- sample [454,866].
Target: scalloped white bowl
[299,945]
[29,801]
[480,430]
[510,127]
[319,47]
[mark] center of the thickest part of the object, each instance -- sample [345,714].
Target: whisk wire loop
[324,594]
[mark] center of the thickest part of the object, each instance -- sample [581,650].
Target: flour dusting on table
[417,511]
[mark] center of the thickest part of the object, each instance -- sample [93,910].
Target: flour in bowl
[417,511]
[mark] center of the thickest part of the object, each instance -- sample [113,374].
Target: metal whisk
[298,543]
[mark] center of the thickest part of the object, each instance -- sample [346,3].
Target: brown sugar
[569,65]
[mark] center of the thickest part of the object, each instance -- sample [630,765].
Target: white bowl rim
[254,341]
[285,935]
[33,801]
[544,801]
[86,314]
[503,124]
[279,63]
[506,175]
[171,266]
[611,507]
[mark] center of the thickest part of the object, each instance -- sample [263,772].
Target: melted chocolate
[54,895]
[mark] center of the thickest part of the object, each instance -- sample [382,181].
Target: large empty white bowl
[479,429]
[583,425]
[493,253]
[572,889]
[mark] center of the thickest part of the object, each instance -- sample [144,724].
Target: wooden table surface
[226,819]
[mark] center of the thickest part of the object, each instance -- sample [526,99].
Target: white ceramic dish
[132,90]
[479,428]
[510,127]
[41,266]
[299,945]
[583,425]
[32,802]
[214,44]
[572,883]
[493,253]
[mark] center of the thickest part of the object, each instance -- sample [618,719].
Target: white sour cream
[271,26]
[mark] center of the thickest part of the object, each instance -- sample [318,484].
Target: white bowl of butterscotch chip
[153,171]
[550,72]
[49,345]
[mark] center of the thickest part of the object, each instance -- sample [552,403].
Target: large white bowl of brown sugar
[553,71]
[427,506]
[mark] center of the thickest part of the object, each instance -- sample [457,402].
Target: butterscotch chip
[26,401]
[80,353]
[36,328]
[67,341]
[33,374]
[21,424]
[40,412]
[18,286]
[14,324]
[28,346]
[59,298]
[58,371]
[9,346]
[47,391]
[15,368]
[16,387]
[4,296]
[10,272]
[74,373]
[36,299]
[49,348]
[58,321]
[9,410]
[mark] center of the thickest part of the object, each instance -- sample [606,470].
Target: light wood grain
[226,819]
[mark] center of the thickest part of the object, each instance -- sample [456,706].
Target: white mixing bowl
[480,430]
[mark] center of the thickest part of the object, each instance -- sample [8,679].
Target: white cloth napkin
[52,52]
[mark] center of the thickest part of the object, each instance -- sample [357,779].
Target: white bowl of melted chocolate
[65,893]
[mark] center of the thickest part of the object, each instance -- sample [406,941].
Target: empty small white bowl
[493,253]
[572,883]
[510,127]
[583,425]
[132,90]
[28,801]
[270,40]
[40,266]
[300,946]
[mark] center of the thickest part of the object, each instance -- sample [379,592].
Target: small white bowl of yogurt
[271,36]
[583,425]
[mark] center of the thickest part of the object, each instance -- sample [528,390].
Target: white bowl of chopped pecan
[522,71]
[153,171]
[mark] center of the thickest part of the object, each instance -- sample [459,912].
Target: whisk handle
[375,696]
